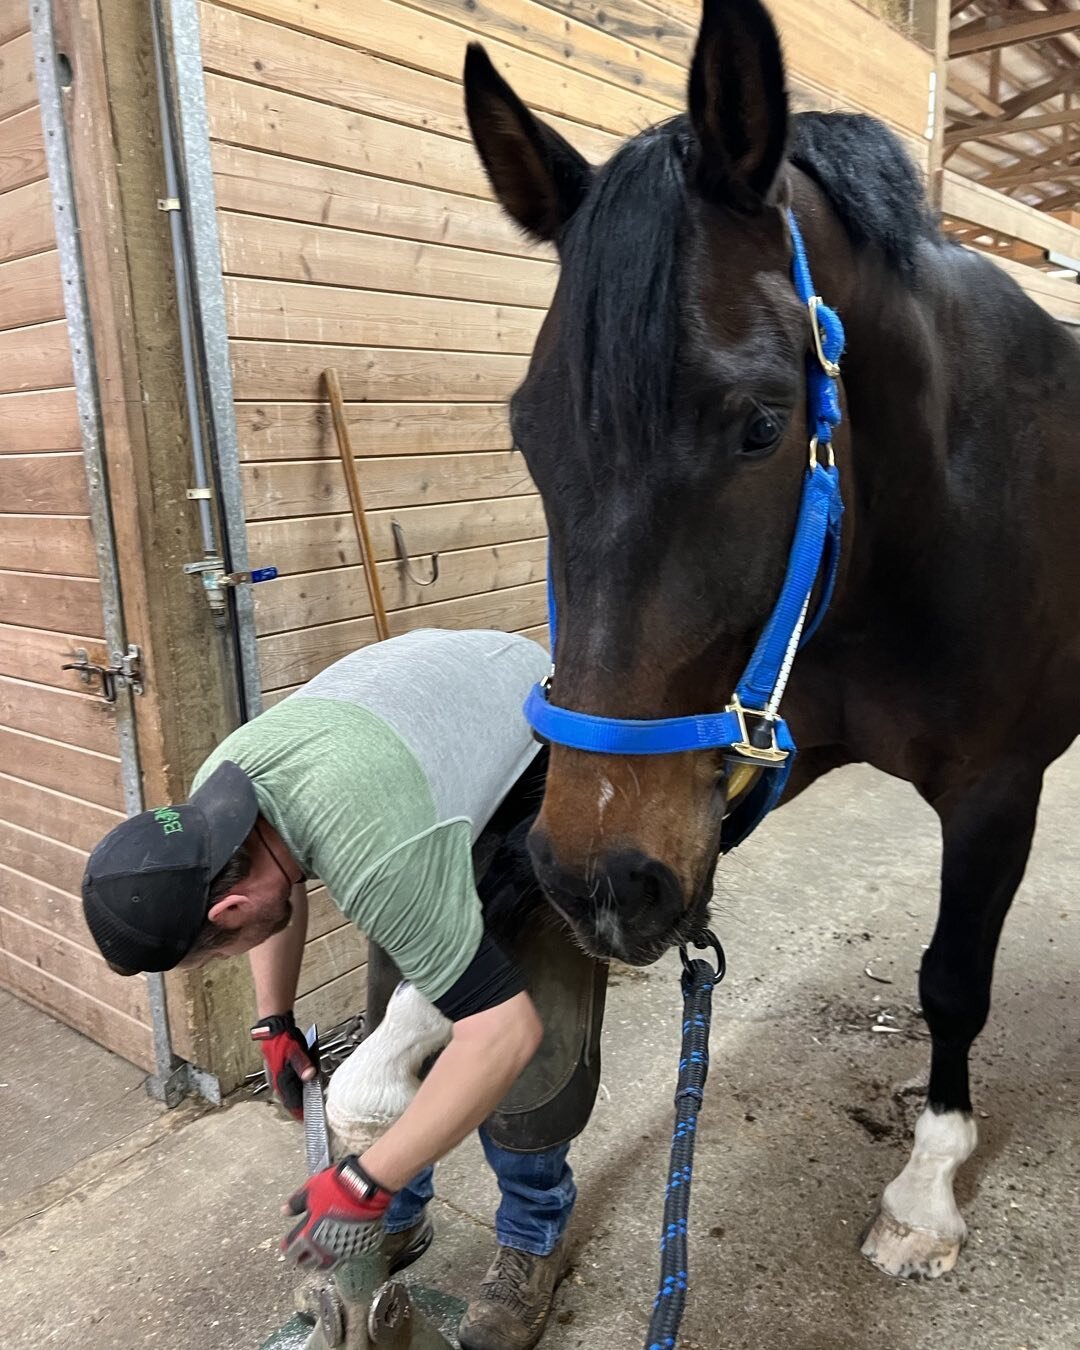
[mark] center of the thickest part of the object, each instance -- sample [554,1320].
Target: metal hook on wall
[403,557]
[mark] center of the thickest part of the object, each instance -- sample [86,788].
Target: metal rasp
[316,1136]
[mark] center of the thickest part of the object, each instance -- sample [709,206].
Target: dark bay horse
[663,419]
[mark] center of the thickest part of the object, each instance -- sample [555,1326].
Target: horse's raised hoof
[909,1253]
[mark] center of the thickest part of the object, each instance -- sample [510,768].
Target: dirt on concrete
[817,1052]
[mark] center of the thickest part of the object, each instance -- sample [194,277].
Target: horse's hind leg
[987,832]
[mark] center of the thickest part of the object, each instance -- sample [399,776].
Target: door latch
[216,581]
[126,670]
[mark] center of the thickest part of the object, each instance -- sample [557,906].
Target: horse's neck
[961,397]
[897,413]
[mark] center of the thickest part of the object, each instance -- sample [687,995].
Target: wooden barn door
[61,780]
[96,526]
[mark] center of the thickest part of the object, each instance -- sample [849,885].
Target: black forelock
[620,287]
[869,180]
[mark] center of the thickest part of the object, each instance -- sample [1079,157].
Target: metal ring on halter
[701,942]
[831,368]
[830,458]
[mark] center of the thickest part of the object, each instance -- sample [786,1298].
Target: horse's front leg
[987,831]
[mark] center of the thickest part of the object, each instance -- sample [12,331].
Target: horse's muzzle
[623,904]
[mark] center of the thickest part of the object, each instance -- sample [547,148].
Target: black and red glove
[287,1057]
[343,1212]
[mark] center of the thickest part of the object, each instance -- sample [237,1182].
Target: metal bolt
[331,1316]
[390,1311]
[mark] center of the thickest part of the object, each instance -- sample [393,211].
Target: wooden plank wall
[59,766]
[357,231]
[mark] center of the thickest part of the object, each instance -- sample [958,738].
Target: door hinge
[126,670]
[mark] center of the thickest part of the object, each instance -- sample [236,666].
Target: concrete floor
[57,1085]
[168,1237]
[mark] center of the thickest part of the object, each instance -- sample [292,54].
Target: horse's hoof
[908,1253]
[306,1296]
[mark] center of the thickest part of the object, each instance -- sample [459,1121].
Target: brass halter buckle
[757,731]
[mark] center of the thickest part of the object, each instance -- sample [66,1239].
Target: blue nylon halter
[750,729]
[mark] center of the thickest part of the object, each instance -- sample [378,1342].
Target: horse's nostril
[652,887]
[647,891]
[623,902]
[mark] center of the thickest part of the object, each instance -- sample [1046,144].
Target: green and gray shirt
[380,773]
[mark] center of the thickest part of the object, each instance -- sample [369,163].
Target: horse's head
[663,419]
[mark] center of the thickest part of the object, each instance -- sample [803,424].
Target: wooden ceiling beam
[1060,202]
[1059,46]
[1056,153]
[990,163]
[1008,30]
[970,153]
[976,97]
[1014,126]
[1029,177]
[993,74]
[1040,93]
[1028,98]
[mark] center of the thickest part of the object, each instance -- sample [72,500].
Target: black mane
[871,183]
[620,256]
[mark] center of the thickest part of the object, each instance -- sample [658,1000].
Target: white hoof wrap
[919,1230]
[381,1076]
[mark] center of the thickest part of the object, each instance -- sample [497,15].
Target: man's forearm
[470,1078]
[275,963]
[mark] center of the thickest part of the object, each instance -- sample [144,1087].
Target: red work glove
[288,1059]
[343,1209]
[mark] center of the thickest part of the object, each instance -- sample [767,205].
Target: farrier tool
[359,1307]
[316,1135]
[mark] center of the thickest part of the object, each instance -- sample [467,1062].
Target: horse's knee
[955,1001]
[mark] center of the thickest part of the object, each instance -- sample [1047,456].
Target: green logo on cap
[169,820]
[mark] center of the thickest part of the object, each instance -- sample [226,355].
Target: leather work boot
[400,1250]
[512,1308]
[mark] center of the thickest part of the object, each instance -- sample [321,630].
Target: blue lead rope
[698,982]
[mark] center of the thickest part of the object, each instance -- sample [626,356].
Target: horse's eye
[761,434]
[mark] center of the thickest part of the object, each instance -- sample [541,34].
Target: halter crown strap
[750,728]
[822,397]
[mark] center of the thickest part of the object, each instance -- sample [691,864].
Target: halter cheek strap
[750,729]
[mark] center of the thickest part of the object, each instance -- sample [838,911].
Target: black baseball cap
[146,887]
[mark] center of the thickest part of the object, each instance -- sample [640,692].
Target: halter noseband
[750,730]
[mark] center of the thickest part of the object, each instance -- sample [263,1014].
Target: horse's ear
[738,103]
[539,178]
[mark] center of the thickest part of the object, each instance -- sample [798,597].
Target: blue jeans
[538,1195]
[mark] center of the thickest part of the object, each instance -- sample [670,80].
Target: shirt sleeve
[489,979]
[419,903]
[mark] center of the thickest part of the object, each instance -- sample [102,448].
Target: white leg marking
[380,1078]
[920,1229]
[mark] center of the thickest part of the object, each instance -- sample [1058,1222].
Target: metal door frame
[173,1078]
